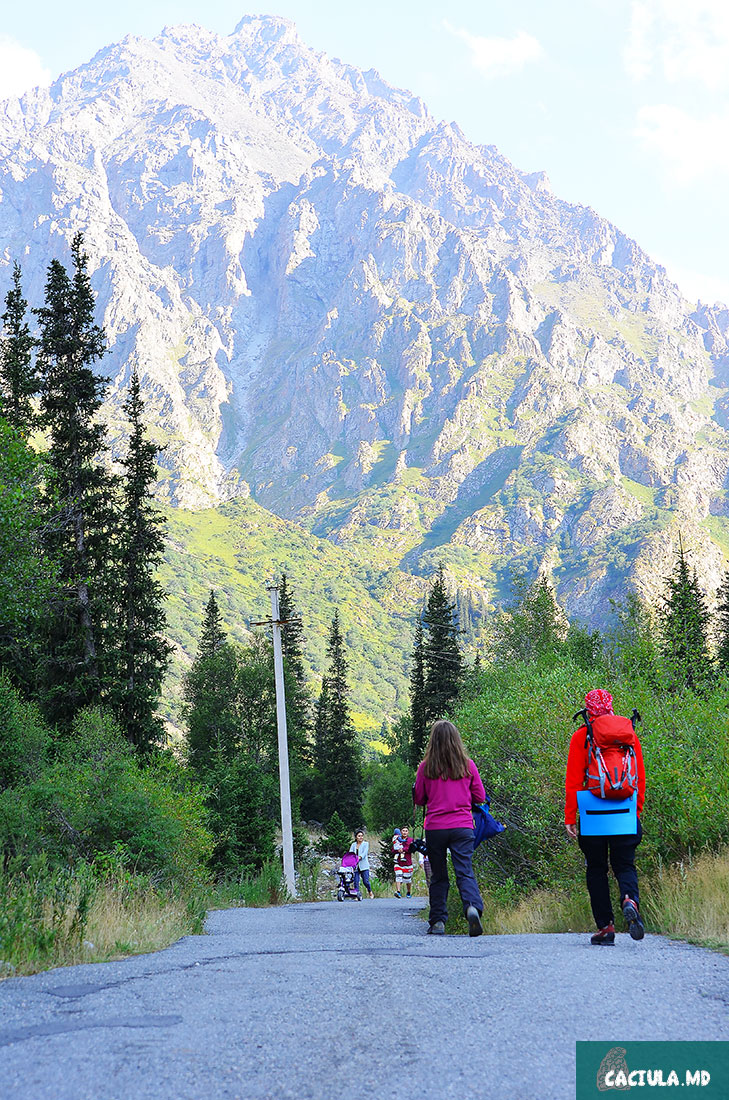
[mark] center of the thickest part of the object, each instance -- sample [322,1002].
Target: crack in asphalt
[71,992]
[58,1027]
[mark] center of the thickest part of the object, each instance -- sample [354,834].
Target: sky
[623,103]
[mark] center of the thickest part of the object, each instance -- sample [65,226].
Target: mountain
[383,334]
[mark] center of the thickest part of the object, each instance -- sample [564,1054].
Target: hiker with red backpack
[605,774]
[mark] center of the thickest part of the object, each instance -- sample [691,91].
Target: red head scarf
[598,702]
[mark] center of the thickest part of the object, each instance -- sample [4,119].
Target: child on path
[361,849]
[402,847]
[605,724]
[448,782]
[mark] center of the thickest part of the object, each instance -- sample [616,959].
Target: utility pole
[283,746]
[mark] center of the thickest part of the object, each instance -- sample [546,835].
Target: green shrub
[388,799]
[386,858]
[338,839]
[25,743]
[95,799]
[243,807]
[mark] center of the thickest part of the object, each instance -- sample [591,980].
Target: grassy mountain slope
[236,547]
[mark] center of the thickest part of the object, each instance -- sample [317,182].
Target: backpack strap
[586,723]
[593,752]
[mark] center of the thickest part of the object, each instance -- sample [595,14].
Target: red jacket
[576,774]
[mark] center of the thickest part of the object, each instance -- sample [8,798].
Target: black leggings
[622,860]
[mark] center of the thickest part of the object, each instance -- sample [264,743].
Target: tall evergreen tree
[26,575]
[418,702]
[685,623]
[298,701]
[142,650]
[210,690]
[212,635]
[722,653]
[80,499]
[19,381]
[337,755]
[442,658]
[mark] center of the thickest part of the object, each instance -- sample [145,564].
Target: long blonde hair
[445,755]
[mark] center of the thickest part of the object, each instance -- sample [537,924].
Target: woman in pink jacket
[449,783]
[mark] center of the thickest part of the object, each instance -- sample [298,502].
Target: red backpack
[612,766]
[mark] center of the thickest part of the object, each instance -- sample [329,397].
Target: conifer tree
[212,635]
[298,702]
[442,658]
[19,381]
[210,690]
[142,651]
[26,575]
[722,653]
[337,755]
[80,520]
[684,623]
[418,705]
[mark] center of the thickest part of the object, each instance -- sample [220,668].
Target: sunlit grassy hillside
[235,548]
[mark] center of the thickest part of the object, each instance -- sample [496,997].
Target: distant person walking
[614,737]
[448,782]
[361,849]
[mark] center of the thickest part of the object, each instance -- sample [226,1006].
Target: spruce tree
[26,576]
[722,653]
[418,706]
[337,755]
[80,524]
[684,628]
[212,635]
[210,691]
[298,701]
[142,651]
[442,658]
[18,375]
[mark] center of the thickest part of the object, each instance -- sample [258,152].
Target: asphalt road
[329,1000]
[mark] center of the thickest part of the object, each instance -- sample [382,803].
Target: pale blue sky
[624,103]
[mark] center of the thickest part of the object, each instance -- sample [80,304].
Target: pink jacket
[449,801]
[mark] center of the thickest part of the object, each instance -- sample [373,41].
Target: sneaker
[437,928]
[398,894]
[408,895]
[474,921]
[631,914]
[604,937]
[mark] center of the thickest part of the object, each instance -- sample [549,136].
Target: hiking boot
[437,928]
[604,937]
[474,921]
[631,914]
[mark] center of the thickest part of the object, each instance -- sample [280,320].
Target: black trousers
[460,842]
[622,860]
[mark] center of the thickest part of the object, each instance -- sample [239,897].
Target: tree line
[81,611]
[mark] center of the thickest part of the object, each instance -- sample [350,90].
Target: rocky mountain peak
[377,328]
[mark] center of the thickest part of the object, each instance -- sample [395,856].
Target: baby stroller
[346,878]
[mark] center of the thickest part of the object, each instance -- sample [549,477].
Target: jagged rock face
[327,293]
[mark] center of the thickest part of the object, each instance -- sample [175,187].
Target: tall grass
[689,901]
[58,917]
